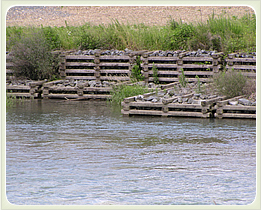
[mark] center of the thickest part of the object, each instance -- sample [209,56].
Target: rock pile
[161,53]
[81,83]
[188,95]
[242,102]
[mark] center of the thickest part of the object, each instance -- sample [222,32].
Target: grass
[221,33]
[123,91]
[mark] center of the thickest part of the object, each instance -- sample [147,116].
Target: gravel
[149,15]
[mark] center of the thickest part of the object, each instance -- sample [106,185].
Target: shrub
[155,74]
[230,83]
[180,35]
[182,79]
[136,74]
[33,58]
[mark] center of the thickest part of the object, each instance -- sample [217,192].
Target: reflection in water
[86,153]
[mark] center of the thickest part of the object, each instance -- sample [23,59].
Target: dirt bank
[149,15]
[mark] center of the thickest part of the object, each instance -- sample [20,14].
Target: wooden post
[215,62]
[45,91]
[97,66]
[230,61]
[62,66]
[131,63]
[180,63]
[145,67]
[80,87]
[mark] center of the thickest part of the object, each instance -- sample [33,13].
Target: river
[87,153]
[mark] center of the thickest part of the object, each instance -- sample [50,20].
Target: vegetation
[122,91]
[182,79]
[155,74]
[136,74]
[220,33]
[33,58]
[230,83]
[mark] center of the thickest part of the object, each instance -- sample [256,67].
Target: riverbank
[224,31]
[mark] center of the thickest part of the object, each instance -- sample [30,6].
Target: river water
[86,153]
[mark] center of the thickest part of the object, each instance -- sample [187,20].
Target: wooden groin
[170,68]
[247,66]
[176,106]
[118,68]
[231,108]
[62,89]
[28,90]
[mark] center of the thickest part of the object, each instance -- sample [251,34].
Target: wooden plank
[166,66]
[188,114]
[145,112]
[74,96]
[17,94]
[81,77]
[163,79]
[163,59]
[197,59]
[63,89]
[81,64]
[241,67]
[239,108]
[207,73]
[97,89]
[62,96]
[160,72]
[113,64]
[17,87]
[114,78]
[253,60]
[84,57]
[110,57]
[146,104]
[185,106]
[80,71]
[113,71]
[197,66]
[240,116]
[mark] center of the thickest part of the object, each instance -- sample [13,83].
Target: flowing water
[86,153]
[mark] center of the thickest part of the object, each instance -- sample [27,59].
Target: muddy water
[86,153]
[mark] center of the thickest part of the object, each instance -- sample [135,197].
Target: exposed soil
[149,15]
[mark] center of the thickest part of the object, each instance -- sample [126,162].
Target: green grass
[123,91]
[221,33]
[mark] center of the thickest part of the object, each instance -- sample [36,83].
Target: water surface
[86,153]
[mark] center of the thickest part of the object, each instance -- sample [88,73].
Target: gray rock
[154,100]
[180,99]
[92,83]
[244,102]
[150,98]
[175,100]
[78,52]
[190,101]
[184,100]
[139,97]
[232,102]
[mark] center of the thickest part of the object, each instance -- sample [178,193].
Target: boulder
[244,102]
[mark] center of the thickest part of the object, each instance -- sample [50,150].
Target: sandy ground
[149,15]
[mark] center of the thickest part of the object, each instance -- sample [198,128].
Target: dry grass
[149,15]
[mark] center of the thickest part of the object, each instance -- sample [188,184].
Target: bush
[33,58]
[180,35]
[230,83]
